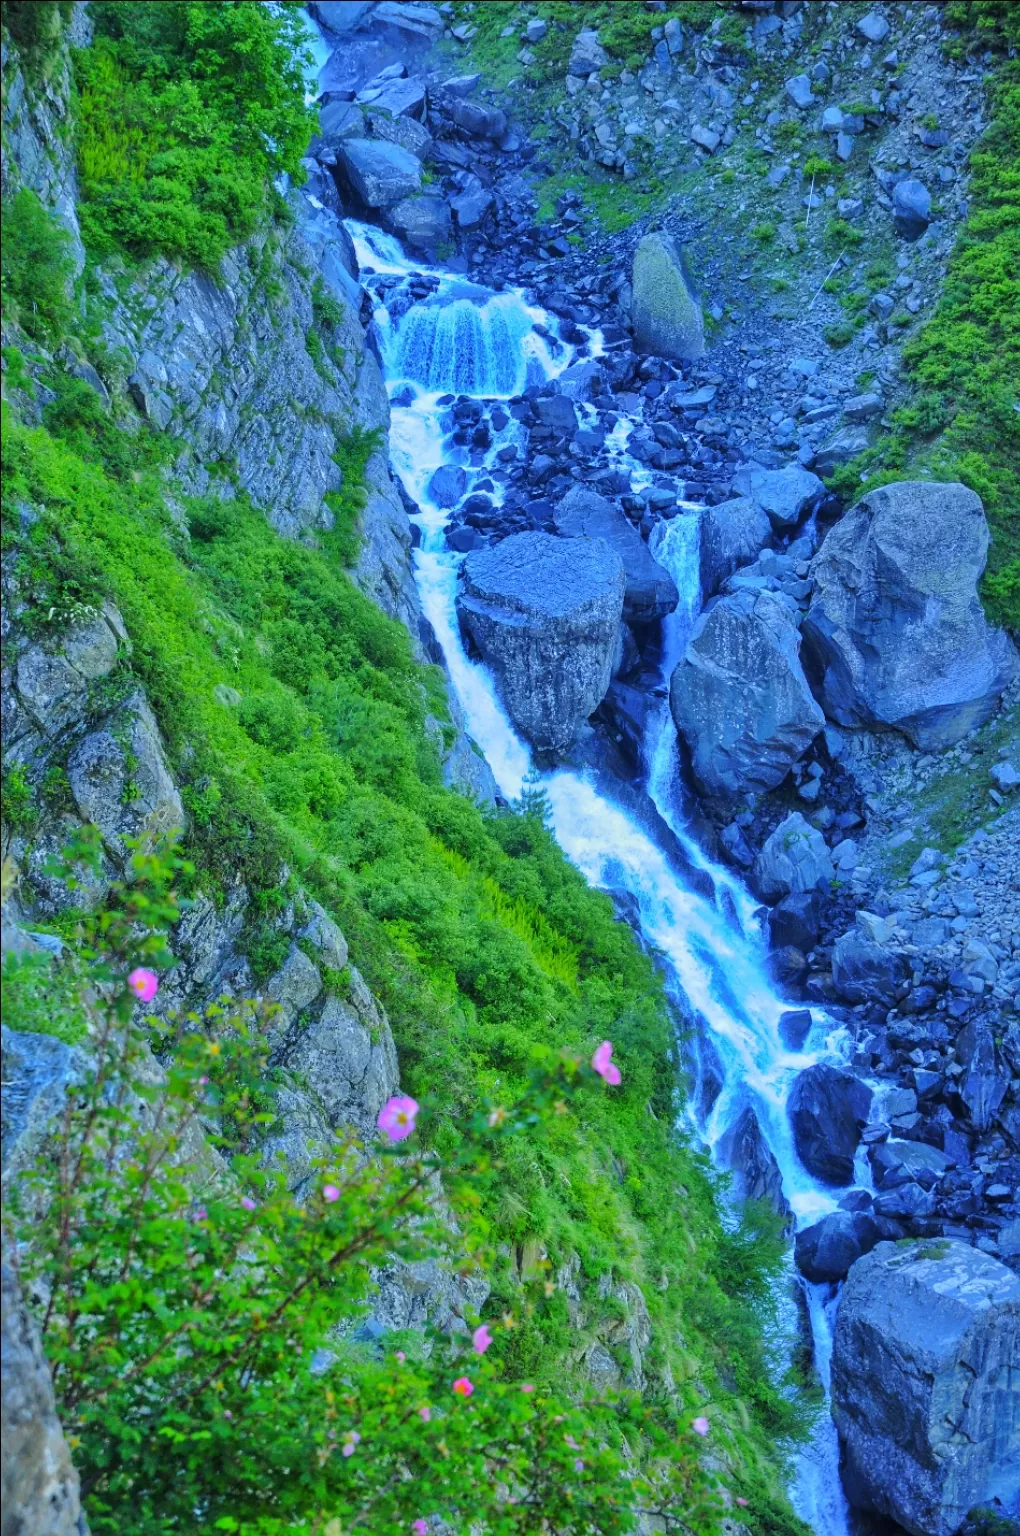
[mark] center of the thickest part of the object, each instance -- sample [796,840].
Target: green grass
[36,267]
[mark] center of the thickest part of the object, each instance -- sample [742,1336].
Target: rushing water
[465,340]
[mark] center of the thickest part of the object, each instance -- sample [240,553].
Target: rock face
[924,1370]
[866,972]
[39,1482]
[828,1110]
[378,174]
[544,613]
[732,534]
[756,1174]
[650,592]
[665,312]
[895,633]
[740,698]
[795,858]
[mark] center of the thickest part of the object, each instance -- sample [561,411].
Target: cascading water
[466,340]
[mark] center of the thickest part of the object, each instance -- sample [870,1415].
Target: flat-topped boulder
[925,1363]
[895,635]
[376,173]
[650,592]
[544,613]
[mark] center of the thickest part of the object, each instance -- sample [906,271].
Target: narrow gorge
[510,562]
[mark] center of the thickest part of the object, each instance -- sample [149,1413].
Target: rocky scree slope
[170,662]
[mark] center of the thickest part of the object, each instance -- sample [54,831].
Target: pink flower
[481,1339]
[526,1386]
[463,1387]
[604,1065]
[400,1357]
[701,1425]
[144,984]
[201,1214]
[742,1503]
[397,1117]
[351,1440]
[248,1203]
[227,1413]
[425,1413]
[330,1193]
[420,1528]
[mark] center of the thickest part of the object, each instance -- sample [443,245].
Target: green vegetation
[36,266]
[186,114]
[961,421]
[486,947]
[36,25]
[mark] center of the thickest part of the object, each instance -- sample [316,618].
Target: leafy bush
[36,266]
[198,1319]
[187,113]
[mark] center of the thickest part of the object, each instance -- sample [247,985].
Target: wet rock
[794,1027]
[797,920]
[733,533]
[985,1081]
[785,495]
[895,632]
[544,613]
[650,592]
[378,174]
[756,1176]
[40,1484]
[665,312]
[866,972]
[739,696]
[924,1359]
[794,858]
[422,223]
[447,485]
[828,1110]
[896,1162]
[827,1250]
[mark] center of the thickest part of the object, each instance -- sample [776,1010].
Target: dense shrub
[187,113]
[37,269]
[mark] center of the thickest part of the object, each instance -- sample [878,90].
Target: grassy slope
[486,946]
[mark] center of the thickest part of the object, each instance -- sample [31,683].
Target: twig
[810,200]
[828,274]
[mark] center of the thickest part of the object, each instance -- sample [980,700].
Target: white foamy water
[466,340]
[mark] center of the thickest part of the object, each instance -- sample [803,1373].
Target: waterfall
[486,344]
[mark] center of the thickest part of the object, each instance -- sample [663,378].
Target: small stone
[799,91]
[873,27]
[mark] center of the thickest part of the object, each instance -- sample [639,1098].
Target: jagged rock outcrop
[828,1110]
[895,635]
[377,174]
[826,1251]
[650,592]
[544,613]
[756,1175]
[924,1368]
[740,698]
[665,311]
[794,858]
[37,1477]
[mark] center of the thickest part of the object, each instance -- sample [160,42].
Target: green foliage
[36,267]
[186,114]
[36,25]
[43,995]
[351,455]
[839,234]
[817,165]
[984,23]
[189,1306]
[840,334]
[764,233]
[961,422]
[16,803]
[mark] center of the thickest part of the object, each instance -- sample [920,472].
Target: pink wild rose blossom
[701,1425]
[330,1193]
[397,1117]
[420,1528]
[248,1203]
[605,1066]
[462,1386]
[481,1339]
[144,984]
[351,1441]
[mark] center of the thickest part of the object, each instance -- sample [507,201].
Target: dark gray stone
[924,1367]
[732,534]
[379,174]
[665,311]
[650,592]
[866,972]
[793,858]
[895,632]
[756,1175]
[785,495]
[422,223]
[828,1109]
[447,485]
[827,1250]
[794,1027]
[911,208]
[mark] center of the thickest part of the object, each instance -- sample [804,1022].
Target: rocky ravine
[785,699]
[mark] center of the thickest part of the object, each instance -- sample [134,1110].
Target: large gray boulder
[863,971]
[740,698]
[793,858]
[423,223]
[732,534]
[784,495]
[665,311]
[828,1109]
[379,174]
[544,614]
[650,592]
[925,1364]
[826,1251]
[895,632]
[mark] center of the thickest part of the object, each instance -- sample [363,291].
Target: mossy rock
[665,310]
